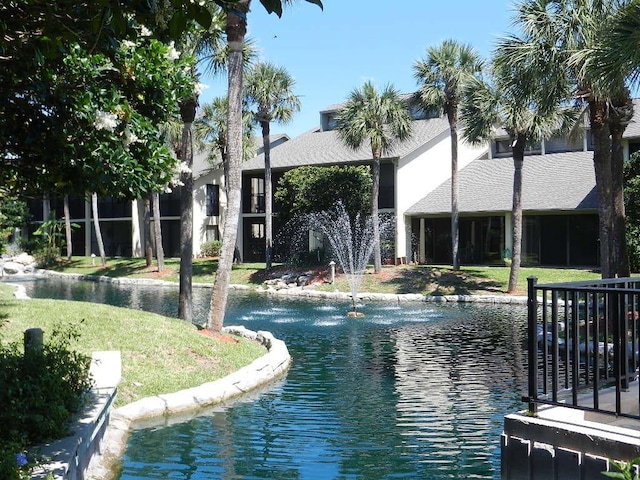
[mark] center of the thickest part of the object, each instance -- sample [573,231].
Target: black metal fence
[583,339]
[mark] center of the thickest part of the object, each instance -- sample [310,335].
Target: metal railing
[582,339]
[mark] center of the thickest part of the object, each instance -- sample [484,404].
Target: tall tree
[210,131]
[236,28]
[96,228]
[524,103]
[380,119]
[563,35]
[148,248]
[442,75]
[67,227]
[270,91]
[157,230]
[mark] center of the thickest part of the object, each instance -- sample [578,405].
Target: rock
[24,259]
[13,268]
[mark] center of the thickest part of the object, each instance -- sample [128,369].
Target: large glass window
[257,195]
[213,200]
[113,208]
[386,196]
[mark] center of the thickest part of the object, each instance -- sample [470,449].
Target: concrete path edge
[261,371]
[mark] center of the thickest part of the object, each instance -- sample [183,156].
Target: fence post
[532,336]
[33,340]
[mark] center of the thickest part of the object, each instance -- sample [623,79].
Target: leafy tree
[14,214]
[442,75]
[379,119]
[524,104]
[305,190]
[76,104]
[236,27]
[269,89]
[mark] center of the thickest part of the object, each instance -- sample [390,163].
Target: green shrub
[211,249]
[46,255]
[41,392]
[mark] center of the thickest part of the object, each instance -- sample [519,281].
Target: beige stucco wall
[200,220]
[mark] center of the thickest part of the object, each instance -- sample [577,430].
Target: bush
[46,255]
[211,249]
[41,392]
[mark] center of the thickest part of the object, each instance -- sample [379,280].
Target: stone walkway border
[310,292]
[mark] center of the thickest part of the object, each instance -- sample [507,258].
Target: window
[502,148]
[563,144]
[257,195]
[213,200]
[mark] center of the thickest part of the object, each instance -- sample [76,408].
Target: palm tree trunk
[185,298]
[148,249]
[617,123]
[455,238]
[67,227]
[96,227]
[375,193]
[602,168]
[516,214]
[236,28]
[268,196]
[157,229]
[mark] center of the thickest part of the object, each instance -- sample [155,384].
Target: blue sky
[330,53]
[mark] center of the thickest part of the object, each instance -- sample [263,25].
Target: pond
[411,391]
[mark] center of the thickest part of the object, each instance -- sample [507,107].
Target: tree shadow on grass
[442,281]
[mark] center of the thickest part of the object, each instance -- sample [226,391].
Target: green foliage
[632,209]
[211,249]
[94,126]
[626,470]
[42,389]
[305,190]
[52,239]
[13,214]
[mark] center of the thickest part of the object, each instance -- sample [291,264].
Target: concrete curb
[308,292]
[270,366]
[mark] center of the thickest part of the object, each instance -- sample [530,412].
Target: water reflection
[411,392]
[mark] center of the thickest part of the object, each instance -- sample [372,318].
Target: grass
[429,280]
[159,354]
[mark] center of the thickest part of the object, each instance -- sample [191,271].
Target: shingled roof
[318,147]
[560,181]
[633,129]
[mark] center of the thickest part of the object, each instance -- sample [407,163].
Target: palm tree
[210,131]
[381,119]
[270,90]
[519,102]
[236,28]
[442,76]
[560,34]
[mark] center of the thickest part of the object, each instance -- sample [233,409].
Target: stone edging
[270,366]
[308,292]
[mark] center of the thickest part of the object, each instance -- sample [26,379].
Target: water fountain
[352,242]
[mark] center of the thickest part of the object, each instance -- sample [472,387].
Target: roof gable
[318,147]
[561,181]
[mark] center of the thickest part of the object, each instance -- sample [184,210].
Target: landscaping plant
[42,389]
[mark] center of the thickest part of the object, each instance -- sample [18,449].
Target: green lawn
[159,354]
[430,280]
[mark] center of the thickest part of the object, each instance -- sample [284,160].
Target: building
[560,224]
